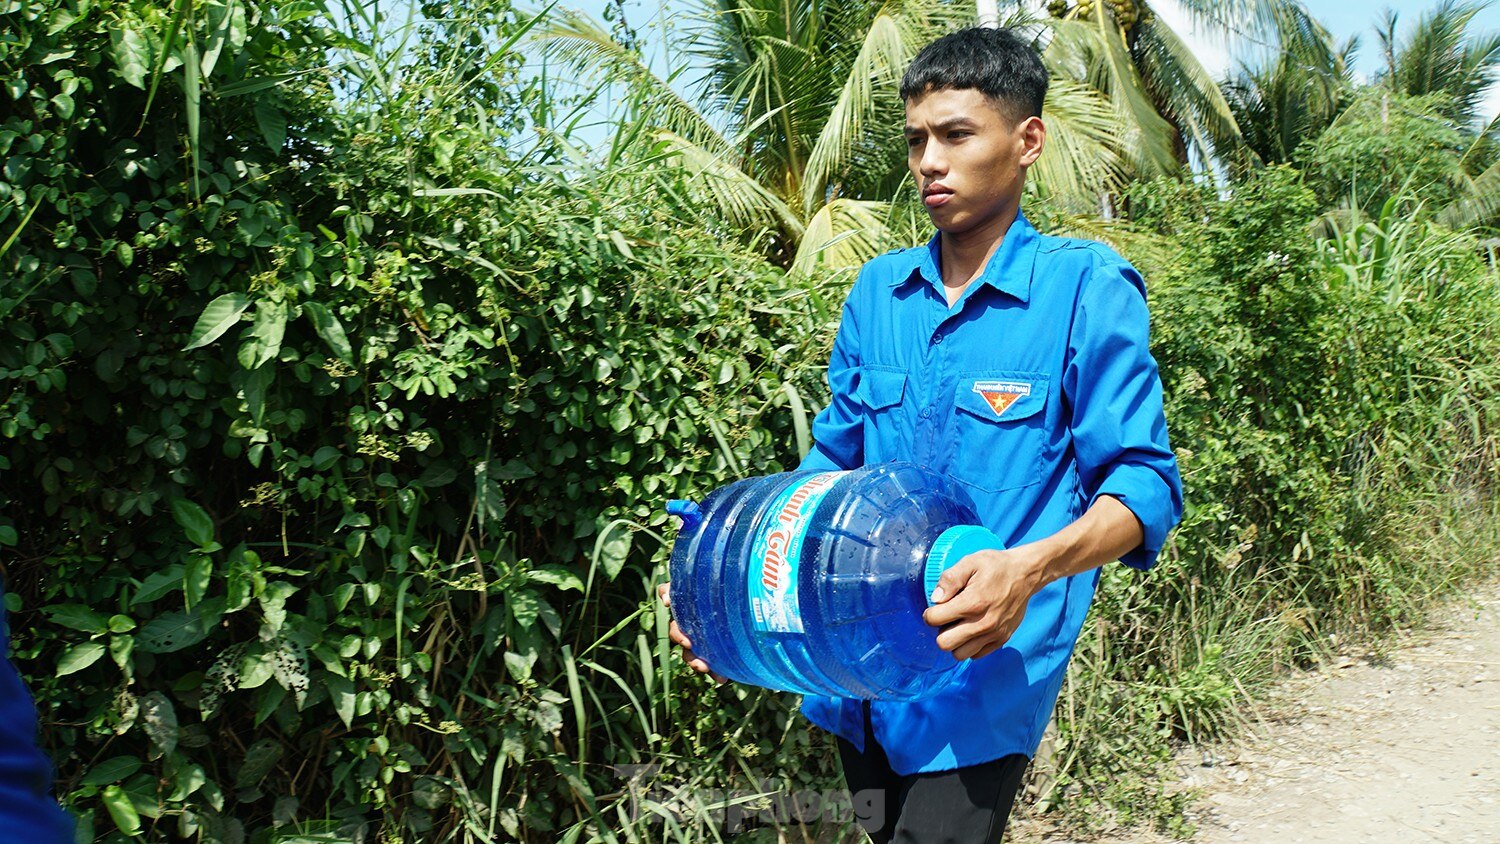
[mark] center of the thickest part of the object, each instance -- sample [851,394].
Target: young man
[1017,363]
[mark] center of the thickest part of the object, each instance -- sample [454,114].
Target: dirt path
[1401,747]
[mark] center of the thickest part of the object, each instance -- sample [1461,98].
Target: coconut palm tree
[793,124]
[1126,50]
[1294,97]
[1440,57]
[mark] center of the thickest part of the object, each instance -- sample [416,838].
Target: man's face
[969,158]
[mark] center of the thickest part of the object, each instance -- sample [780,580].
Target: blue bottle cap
[953,545]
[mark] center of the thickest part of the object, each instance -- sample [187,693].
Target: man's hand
[980,601]
[675,633]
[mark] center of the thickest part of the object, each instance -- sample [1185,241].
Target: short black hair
[996,62]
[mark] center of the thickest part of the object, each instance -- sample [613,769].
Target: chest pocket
[880,388]
[1000,428]
[881,391]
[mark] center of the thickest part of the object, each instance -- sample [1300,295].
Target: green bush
[1387,144]
[336,434]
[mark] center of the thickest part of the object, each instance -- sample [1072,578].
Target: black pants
[965,806]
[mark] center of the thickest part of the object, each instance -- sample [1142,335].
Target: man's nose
[934,165]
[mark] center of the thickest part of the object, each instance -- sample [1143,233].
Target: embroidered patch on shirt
[1001,394]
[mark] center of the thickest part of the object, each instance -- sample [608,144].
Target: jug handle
[688,511]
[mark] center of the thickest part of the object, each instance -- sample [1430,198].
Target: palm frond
[1480,203]
[1081,160]
[1093,51]
[1296,95]
[1184,89]
[843,234]
[582,43]
[889,44]
[720,184]
[1439,57]
[1255,18]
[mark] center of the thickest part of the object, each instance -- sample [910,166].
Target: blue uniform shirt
[1036,390]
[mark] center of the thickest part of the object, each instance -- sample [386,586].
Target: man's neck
[962,257]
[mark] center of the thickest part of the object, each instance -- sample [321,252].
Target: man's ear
[1033,136]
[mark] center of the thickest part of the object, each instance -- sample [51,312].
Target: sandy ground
[1402,747]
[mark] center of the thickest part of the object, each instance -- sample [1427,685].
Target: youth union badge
[1000,395]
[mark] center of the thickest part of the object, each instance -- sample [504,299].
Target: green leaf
[121,623]
[325,457]
[120,649]
[341,595]
[620,243]
[8,535]
[121,810]
[511,470]
[272,124]
[255,669]
[158,584]
[341,692]
[436,475]
[220,16]
[78,617]
[256,383]
[159,720]
[131,54]
[269,329]
[557,576]
[613,547]
[191,99]
[195,579]
[79,657]
[174,631]
[259,760]
[328,327]
[194,520]
[111,770]
[218,317]
[523,606]
[260,83]
[289,663]
[453,192]
[186,779]
[619,416]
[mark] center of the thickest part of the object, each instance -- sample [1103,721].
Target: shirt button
[926,413]
[938,339]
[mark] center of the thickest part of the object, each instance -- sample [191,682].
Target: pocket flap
[1002,399]
[880,388]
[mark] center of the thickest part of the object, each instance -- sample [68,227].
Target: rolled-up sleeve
[1114,393]
[838,431]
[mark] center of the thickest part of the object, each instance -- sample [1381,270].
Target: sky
[1342,17]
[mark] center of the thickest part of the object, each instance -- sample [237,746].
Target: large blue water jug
[816,582]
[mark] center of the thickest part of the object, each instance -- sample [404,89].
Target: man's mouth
[936,194]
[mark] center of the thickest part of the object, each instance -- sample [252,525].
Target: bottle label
[775,553]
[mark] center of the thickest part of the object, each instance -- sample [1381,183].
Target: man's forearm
[1102,534]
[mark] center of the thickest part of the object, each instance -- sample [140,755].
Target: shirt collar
[1008,270]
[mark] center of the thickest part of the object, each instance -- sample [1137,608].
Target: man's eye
[959,133]
[911,142]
